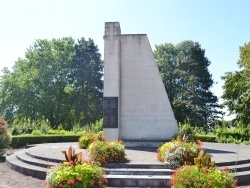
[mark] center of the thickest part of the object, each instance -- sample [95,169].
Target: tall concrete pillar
[112,80]
[136,105]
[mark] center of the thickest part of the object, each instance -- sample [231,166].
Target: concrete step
[41,157]
[138,181]
[30,170]
[243,177]
[22,156]
[136,165]
[118,174]
[232,163]
[138,171]
[237,168]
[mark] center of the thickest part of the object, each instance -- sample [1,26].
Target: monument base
[111,134]
[144,143]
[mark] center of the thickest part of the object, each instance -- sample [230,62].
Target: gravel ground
[12,179]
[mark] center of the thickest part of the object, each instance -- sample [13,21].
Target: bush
[36,133]
[97,126]
[185,129]
[178,152]
[161,152]
[5,136]
[89,137]
[26,127]
[75,173]
[84,175]
[107,152]
[205,138]
[59,132]
[192,176]
[232,135]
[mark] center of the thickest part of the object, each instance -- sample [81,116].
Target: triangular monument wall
[136,105]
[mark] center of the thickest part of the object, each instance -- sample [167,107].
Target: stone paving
[219,152]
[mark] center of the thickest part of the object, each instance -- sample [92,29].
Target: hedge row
[24,140]
[235,135]
[205,138]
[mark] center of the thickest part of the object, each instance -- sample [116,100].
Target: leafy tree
[86,79]
[41,86]
[237,88]
[184,69]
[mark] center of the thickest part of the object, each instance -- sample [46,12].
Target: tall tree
[237,88]
[184,69]
[85,76]
[41,87]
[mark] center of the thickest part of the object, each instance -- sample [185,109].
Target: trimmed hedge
[244,136]
[205,138]
[23,140]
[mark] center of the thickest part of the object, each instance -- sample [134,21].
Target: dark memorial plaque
[110,112]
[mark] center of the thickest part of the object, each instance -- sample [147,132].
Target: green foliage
[59,81]
[178,152]
[203,160]
[107,152]
[237,88]
[185,74]
[5,136]
[23,140]
[205,138]
[27,127]
[232,135]
[161,152]
[89,137]
[192,176]
[97,126]
[59,132]
[85,175]
[185,129]
[36,133]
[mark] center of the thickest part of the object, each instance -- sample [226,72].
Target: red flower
[71,182]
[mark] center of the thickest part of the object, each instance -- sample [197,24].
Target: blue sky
[220,26]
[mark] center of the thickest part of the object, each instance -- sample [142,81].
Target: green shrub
[75,173]
[185,129]
[204,160]
[89,137]
[97,126]
[36,132]
[18,128]
[84,175]
[44,127]
[179,152]
[59,132]
[232,135]
[5,136]
[205,138]
[161,152]
[192,176]
[107,152]
[26,127]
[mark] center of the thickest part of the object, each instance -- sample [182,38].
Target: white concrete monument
[135,105]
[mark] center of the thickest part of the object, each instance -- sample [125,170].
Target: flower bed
[89,137]
[107,152]
[193,167]
[192,176]
[178,152]
[75,173]
[5,136]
